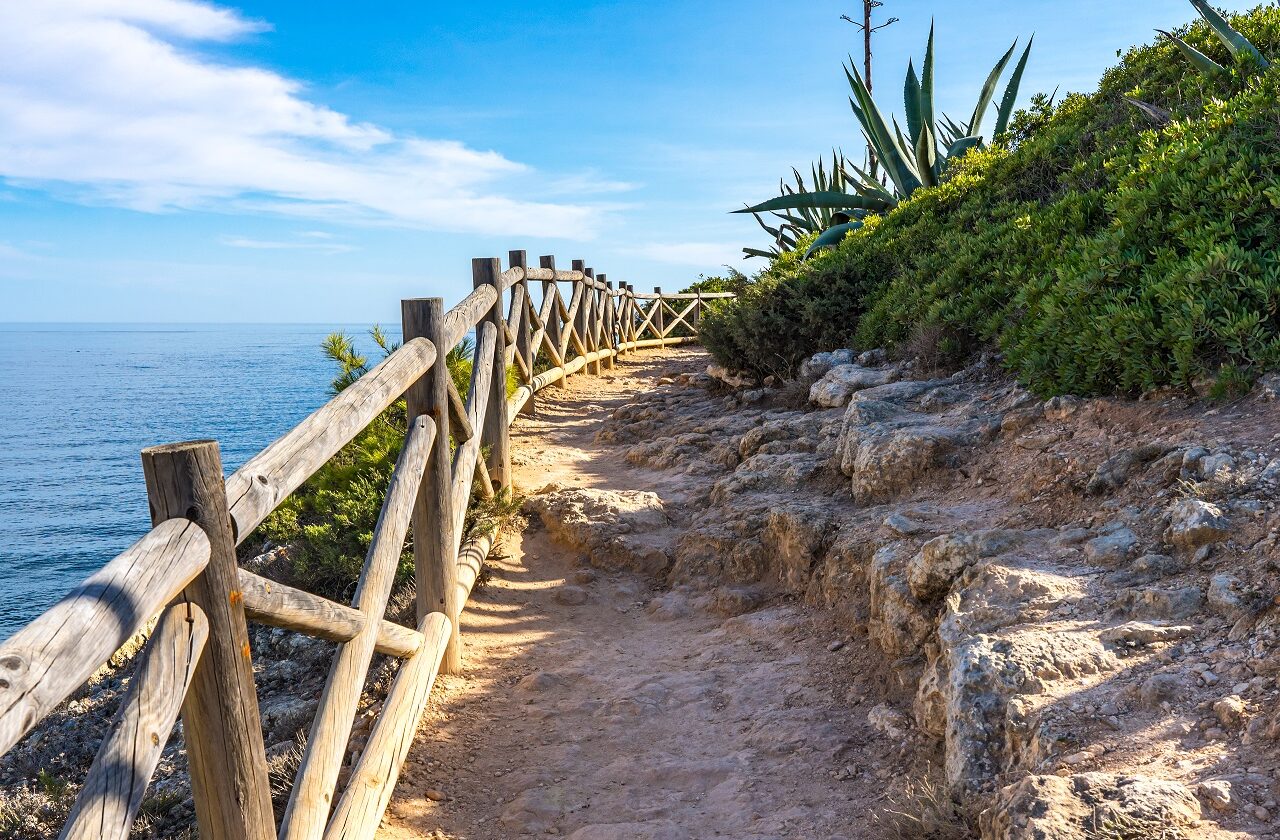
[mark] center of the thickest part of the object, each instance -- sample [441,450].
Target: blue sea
[79,401]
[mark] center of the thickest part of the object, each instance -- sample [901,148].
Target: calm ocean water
[81,400]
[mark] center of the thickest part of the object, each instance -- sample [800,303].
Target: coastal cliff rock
[613,530]
[1070,590]
[1088,805]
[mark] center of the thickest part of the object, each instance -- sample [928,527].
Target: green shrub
[328,523]
[1099,252]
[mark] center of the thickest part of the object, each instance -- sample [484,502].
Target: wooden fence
[197,661]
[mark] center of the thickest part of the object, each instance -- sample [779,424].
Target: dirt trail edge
[597,705]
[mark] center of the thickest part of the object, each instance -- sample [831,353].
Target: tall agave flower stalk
[912,159]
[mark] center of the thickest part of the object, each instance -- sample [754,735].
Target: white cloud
[108,101]
[690,253]
[313,241]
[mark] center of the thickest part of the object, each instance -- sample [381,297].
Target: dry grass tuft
[925,810]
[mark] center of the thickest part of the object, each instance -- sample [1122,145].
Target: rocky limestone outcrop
[1049,578]
[613,529]
[1091,805]
[989,646]
[840,383]
[1193,523]
[885,445]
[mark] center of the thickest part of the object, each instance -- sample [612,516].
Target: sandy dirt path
[604,719]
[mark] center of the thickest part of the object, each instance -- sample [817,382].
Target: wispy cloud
[12,252]
[110,101]
[314,241]
[703,254]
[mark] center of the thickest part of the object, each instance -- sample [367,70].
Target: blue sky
[172,160]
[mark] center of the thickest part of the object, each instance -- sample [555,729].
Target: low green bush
[1099,252]
[327,524]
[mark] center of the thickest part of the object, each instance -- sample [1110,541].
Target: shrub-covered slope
[1099,251]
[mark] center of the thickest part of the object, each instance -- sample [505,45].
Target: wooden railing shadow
[197,661]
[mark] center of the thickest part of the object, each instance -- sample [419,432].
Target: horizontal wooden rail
[269,477]
[645,343]
[51,657]
[471,558]
[685,296]
[462,318]
[277,605]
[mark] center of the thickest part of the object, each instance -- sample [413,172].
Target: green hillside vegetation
[1102,247]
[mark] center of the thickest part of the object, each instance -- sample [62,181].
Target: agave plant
[912,159]
[803,221]
[1236,44]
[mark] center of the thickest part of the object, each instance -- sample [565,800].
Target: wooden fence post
[659,318]
[610,321]
[550,289]
[697,315]
[485,272]
[524,335]
[221,725]
[435,546]
[593,319]
[602,317]
[631,315]
[582,319]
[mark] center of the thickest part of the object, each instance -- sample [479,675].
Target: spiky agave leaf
[796,221]
[911,100]
[1010,97]
[918,107]
[828,200]
[1227,34]
[892,154]
[1159,116]
[926,89]
[951,131]
[908,145]
[961,146]
[867,185]
[1202,62]
[985,95]
[831,237]
[773,232]
[927,157]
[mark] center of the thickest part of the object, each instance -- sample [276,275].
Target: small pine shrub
[328,523]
